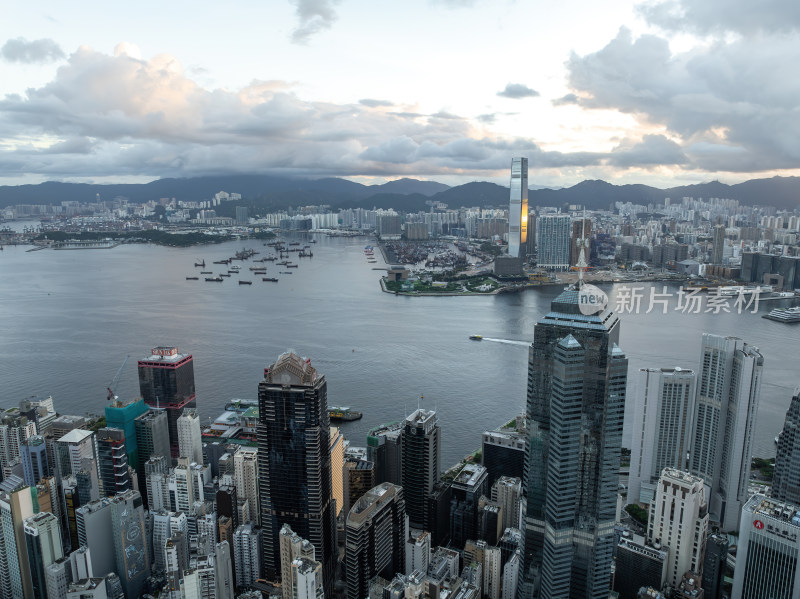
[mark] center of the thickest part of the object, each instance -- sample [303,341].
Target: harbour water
[68,319]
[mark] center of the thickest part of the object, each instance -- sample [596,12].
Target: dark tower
[166,381]
[294,462]
[786,482]
[575,408]
[422,457]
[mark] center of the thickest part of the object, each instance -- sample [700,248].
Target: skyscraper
[422,458]
[113,461]
[518,207]
[786,481]
[553,241]
[130,542]
[728,391]
[35,465]
[291,546]
[43,541]
[190,440]
[166,381]
[768,554]
[718,244]
[247,551]
[152,439]
[294,462]
[123,415]
[245,464]
[16,504]
[385,450]
[679,522]
[662,428]
[376,536]
[576,402]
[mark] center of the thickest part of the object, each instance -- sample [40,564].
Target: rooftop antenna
[581,243]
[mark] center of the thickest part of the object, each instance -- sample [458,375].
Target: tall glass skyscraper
[518,207]
[728,390]
[786,482]
[294,462]
[576,403]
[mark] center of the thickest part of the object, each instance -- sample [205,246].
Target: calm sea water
[69,318]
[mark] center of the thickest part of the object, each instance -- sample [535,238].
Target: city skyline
[325,88]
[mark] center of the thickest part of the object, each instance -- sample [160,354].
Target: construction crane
[112,387]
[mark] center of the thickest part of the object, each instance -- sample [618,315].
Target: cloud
[566,100]
[719,16]
[653,150]
[313,16]
[375,103]
[455,3]
[37,51]
[729,105]
[517,91]
[108,116]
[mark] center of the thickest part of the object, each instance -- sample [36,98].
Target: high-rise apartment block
[247,552]
[507,493]
[422,456]
[553,240]
[166,381]
[678,521]
[576,401]
[190,440]
[376,534]
[662,428]
[292,547]
[728,390]
[295,463]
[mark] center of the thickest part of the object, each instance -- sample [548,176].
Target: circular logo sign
[758,524]
[591,299]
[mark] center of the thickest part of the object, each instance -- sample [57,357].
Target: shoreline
[518,288]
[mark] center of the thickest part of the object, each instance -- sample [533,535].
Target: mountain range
[264,192]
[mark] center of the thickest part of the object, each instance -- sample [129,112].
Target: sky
[662,92]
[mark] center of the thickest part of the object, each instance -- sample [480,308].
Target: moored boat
[345,414]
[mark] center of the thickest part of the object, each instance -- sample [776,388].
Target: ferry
[476,337]
[345,414]
[735,290]
[235,268]
[787,315]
